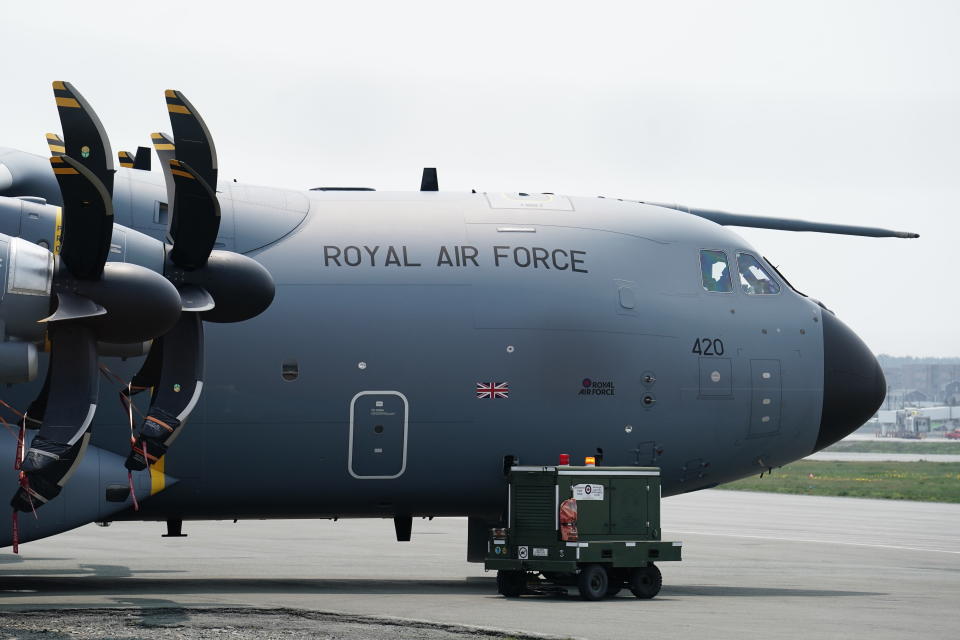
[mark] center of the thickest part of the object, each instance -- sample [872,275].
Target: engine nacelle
[26,274]
[18,362]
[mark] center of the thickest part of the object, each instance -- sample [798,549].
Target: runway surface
[755,565]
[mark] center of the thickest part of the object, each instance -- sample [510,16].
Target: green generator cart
[597,528]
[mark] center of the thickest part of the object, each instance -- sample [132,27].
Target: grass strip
[923,481]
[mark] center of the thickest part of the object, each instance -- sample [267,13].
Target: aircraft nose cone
[853,383]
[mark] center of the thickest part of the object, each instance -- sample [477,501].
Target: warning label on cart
[587,491]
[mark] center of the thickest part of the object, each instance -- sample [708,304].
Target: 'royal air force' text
[456,256]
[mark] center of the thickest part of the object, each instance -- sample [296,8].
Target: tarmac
[755,565]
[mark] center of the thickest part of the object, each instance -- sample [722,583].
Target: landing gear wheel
[615,580]
[593,582]
[645,582]
[511,584]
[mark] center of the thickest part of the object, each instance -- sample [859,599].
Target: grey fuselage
[589,313]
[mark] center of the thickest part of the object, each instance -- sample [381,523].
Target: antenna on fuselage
[429,180]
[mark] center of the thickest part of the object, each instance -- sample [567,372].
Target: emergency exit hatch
[378,435]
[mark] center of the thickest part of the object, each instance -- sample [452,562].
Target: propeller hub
[141,304]
[241,287]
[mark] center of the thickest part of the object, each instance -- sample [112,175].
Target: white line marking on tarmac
[852,544]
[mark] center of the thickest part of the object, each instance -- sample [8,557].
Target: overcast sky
[835,111]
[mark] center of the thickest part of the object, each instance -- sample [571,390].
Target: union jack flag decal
[493,390]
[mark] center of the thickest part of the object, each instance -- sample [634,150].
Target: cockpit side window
[754,279]
[715,271]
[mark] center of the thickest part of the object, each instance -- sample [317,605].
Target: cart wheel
[645,582]
[511,583]
[615,580]
[593,582]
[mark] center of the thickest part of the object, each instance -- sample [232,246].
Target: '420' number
[708,346]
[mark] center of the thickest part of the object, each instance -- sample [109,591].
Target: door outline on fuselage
[406,425]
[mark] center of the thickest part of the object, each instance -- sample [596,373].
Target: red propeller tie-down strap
[174,368]
[65,430]
[20,435]
[126,400]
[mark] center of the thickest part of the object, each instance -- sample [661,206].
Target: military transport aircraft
[344,352]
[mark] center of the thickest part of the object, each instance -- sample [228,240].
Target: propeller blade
[149,374]
[87,218]
[72,307]
[194,145]
[166,151]
[33,418]
[141,161]
[83,133]
[196,299]
[195,220]
[70,405]
[177,378]
[191,187]
[55,143]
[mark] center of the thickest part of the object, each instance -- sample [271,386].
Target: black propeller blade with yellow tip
[84,137]
[55,145]
[89,227]
[140,160]
[163,145]
[195,219]
[193,144]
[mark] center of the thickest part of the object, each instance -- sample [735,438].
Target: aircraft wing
[784,224]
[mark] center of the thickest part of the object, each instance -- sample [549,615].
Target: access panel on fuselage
[766,391]
[378,435]
[716,377]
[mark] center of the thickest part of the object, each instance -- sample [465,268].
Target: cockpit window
[753,278]
[715,271]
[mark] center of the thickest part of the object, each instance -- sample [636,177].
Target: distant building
[951,393]
[918,385]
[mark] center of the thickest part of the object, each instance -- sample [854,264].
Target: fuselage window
[715,271]
[753,278]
